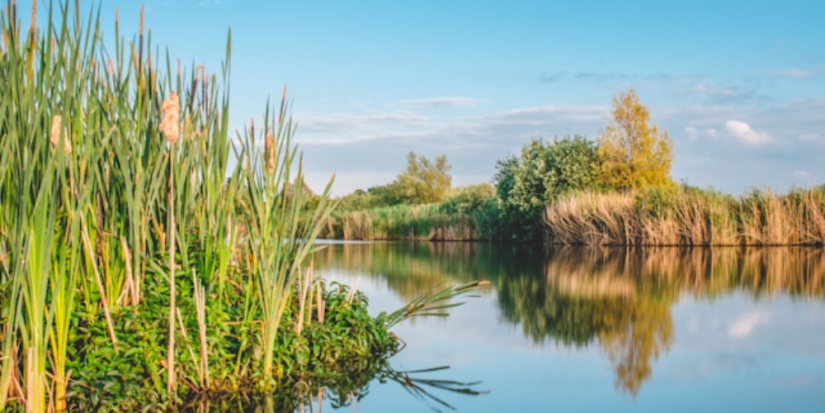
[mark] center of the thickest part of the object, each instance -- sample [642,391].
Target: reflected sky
[604,330]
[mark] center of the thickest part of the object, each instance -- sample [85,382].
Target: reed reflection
[619,299]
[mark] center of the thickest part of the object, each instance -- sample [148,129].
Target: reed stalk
[281,236]
[170,129]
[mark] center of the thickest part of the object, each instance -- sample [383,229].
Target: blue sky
[739,86]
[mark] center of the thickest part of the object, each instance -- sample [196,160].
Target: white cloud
[745,133]
[796,73]
[439,103]
[744,326]
[805,175]
[808,137]
[692,133]
[347,123]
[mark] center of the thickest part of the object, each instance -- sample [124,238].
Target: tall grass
[109,186]
[687,216]
[402,222]
[279,237]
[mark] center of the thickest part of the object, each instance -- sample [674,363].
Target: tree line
[631,153]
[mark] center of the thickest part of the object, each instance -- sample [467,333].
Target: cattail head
[170,110]
[56,134]
[140,30]
[269,153]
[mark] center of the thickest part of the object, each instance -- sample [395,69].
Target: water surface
[594,329]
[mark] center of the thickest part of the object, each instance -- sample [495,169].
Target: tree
[423,181]
[542,173]
[634,153]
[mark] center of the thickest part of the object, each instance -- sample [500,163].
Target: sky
[739,86]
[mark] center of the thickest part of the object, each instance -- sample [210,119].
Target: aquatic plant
[688,216]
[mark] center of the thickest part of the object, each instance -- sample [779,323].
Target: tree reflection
[634,337]
[617,298]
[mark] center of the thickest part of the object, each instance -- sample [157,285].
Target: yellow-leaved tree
[634,153]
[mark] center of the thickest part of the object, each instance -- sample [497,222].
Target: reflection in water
[311,398]
[619,299]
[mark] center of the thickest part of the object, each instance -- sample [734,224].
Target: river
[600,329]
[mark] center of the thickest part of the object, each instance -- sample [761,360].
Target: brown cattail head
[57,120]
[170,110]
[34,18]
[269,153]
[140,29]
[56,134]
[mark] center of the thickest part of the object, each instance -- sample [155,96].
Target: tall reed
[280,237]
[688,216]
[107,193]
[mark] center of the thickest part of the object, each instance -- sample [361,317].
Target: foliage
[423,181]
[634,153]
[465,200]
[542,173]
[123,231]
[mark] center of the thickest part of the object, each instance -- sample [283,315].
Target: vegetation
[421,182]
[544,172]
[681,215]
[457,218]
[634,154]
[137,269]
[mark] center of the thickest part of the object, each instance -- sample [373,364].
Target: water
[585,329]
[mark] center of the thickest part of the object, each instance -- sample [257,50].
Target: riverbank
[657,216]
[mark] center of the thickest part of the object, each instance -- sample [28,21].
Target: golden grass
[684,216]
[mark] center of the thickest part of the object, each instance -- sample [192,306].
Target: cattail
[269,153]
[56,134]
[140,30]
[170,110]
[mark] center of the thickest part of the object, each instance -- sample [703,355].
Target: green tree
[541,174]
[424,181]
[634,153]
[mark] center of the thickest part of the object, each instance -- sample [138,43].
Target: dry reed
[685,216]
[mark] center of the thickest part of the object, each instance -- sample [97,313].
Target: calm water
[583,329]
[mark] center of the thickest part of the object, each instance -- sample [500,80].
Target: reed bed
[402,222]
[687,216]
[136,266]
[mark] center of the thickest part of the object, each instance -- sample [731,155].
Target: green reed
[280,238]
[118,242]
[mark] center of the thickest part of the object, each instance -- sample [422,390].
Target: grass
[136,263]
[688,216]
[401,222]
[138,269]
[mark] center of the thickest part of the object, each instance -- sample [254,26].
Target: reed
[280,236]
[403,222]
[687,216]
[130,245]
